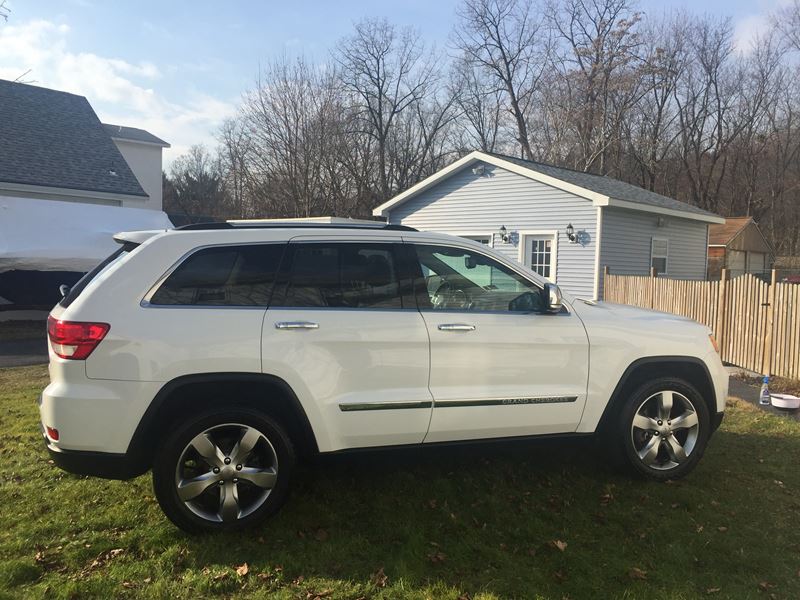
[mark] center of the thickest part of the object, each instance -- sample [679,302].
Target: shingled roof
[613,188]
[721,235]
[133,134]
[54,139]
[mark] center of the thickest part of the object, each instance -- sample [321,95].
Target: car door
[347,338]
[500,365]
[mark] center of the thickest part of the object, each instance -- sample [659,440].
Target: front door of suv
[499,366]
[344,331]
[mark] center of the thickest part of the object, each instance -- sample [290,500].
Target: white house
[142,151]
[566,225]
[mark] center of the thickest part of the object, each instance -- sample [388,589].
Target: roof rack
[290,225]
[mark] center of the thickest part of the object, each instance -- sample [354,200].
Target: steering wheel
[448,296]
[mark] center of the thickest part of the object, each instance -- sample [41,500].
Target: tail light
[75,340]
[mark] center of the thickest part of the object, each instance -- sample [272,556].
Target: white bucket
[785,401]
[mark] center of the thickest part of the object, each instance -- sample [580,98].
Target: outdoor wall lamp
[503,233]
[571,235]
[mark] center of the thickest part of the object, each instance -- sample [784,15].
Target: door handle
[456,327]
[296,325]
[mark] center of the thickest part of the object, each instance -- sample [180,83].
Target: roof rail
[289,225]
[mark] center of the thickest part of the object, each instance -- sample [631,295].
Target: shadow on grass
[486,518]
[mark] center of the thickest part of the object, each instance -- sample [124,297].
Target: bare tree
[506,40]
[386,71]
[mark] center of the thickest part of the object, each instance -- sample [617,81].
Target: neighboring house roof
[54,139]
[603,191]
[133,134]
[722,234]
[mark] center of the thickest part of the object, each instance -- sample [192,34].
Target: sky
[179,68]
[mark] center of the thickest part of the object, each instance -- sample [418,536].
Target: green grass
[476,522]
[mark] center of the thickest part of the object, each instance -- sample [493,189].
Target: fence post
[652,286]
[722,304]
[767,361]
[606,273]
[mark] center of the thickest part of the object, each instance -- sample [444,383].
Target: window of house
[659,249]
[342,275]
[223,276]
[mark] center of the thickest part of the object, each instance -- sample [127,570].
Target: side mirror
[551,298]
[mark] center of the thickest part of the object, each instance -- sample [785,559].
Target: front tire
[225,469]
[664,428]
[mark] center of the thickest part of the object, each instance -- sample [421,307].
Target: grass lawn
[527,520]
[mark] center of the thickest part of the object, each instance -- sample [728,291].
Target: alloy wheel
[226,472]
[664,430]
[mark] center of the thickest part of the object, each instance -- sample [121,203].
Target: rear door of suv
[344,331]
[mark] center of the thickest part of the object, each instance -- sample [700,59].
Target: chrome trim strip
[505,401]
[456,327]
[296,325]
[384,405]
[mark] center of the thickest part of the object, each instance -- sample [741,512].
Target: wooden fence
[757,324]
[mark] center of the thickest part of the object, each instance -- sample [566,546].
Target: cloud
[747,30]
[121,91]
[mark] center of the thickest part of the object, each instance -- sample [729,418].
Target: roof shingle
[133,134]
[54,139]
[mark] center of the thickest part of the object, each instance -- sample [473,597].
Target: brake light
[75,340]
[52,433]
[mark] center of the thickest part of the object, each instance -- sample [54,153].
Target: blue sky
[179,68]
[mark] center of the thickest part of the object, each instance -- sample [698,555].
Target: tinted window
[223,276]
[342,276]
[458,279]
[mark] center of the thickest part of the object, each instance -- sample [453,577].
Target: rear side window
[223,276]
[342,275]
[81,284]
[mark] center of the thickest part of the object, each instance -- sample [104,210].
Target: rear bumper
[97,464]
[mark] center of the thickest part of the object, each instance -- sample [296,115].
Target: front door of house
[540,254]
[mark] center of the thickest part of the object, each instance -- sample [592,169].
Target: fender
[141,449]
[705,387]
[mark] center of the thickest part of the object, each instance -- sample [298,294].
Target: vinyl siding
[627,234]
[466,203]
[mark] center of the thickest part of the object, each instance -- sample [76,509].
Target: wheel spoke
[685,421]
[664,405]
[675,450]
[229,501]
[263,478]
[208,450]
[245,445]
[649,453]
[191,488]
[643,422]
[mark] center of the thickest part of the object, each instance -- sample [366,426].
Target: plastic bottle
[763,397]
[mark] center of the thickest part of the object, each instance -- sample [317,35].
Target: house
[67,183]
[565,225]
[53,147]
[739,246]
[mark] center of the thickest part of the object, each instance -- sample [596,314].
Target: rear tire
[223,470]
[663,429]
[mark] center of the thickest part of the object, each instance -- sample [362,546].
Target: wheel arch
[689,368]
[254,389]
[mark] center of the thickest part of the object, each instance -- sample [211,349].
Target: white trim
[598,234]
[613,202]
[54,192]
[708,233]
[470,234]
[598,199]
[665,257]
[523,246]
[142,142]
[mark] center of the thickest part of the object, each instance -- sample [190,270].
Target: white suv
[216,354]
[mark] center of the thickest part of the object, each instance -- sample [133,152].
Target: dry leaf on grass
[242,570]
[379,578]
[437,557]
[722,529]
[636,573]
[321,535]
[558,545]
[712,590]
